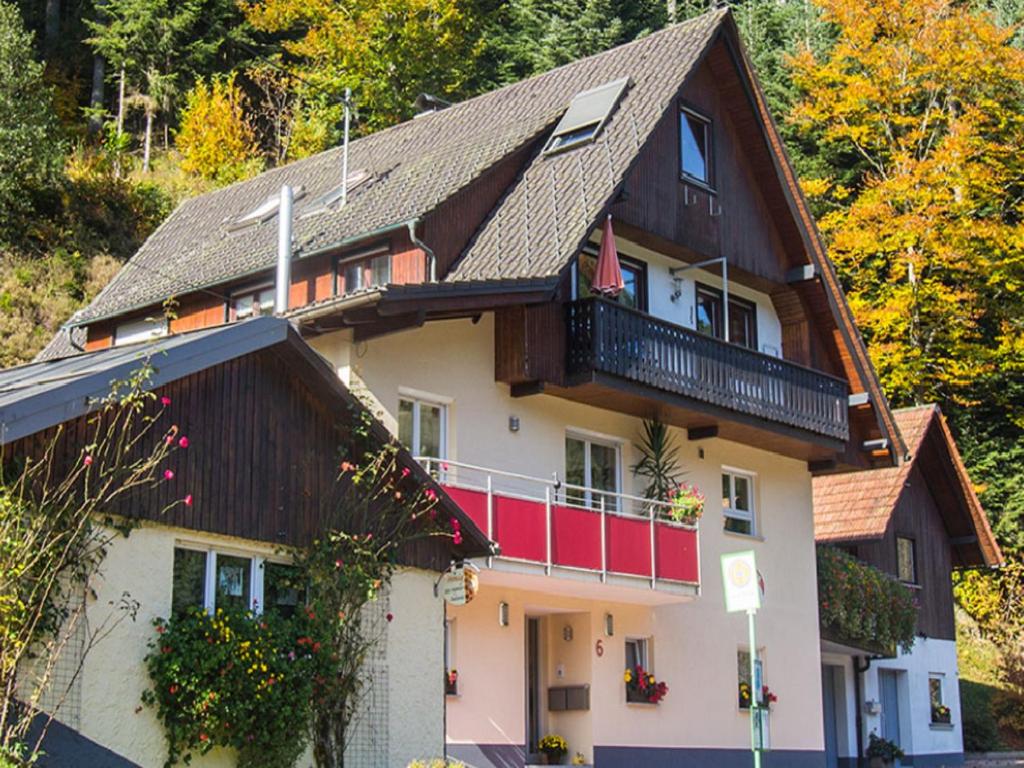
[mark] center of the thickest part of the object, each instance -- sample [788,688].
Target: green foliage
[861,603]
[237,680]
[31,147]
[659,460]
[216,139]
[979,725]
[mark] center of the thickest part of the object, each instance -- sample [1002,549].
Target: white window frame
[707,182]
[741,514]
[142,329]
[914,579]
[942,689]
[419,399]
[364,257]
[759,661]
[251,292]
[589,438]
[643,651]
[256,572]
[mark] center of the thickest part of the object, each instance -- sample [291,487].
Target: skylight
[355,179]
[587,113]
[265,211]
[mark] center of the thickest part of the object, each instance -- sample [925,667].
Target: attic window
[265,211]
[587,113]
[322,203]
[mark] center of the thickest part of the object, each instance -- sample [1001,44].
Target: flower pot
[553,758]
[881,762]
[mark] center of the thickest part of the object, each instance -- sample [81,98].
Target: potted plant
[642,688]
[554,748]
[883,753]
[941,714]
[687,503]
[451,683]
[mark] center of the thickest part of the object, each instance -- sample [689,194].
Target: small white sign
[742,588]
[455,586]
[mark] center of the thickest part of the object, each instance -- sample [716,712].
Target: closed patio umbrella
[608,274]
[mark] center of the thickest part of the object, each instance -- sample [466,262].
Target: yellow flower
[628,677]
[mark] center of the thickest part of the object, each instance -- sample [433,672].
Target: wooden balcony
[551,529]
[616,347]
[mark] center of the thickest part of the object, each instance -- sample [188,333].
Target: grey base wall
[513,756]
[952,760]
[489,755]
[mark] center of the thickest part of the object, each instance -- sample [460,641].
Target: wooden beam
[959,541]
[801,274]
[702,433]
[824,465]
[527,388]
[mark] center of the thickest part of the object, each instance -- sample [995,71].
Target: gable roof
[413,167]
[41,395]
[857,506]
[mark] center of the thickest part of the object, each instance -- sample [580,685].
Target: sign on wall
[742,588]
[460,584]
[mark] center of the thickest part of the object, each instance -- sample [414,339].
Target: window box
[636,697]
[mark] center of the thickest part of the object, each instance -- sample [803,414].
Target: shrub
[216,140]
[980,731]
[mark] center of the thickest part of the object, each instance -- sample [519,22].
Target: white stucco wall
[114,675]
[696,643]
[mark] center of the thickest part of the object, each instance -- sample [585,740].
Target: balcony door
[592,465]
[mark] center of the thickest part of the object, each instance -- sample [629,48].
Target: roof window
[587,113]
[265,211]
[332,198]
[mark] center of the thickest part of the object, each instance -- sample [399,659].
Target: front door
[828,707]
[533,691]
[889,695]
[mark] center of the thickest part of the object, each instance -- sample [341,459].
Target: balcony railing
[560,527]
[609,338]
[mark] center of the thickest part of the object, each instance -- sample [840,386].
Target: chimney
[284,251]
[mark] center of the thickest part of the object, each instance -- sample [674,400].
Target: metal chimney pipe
[284,251]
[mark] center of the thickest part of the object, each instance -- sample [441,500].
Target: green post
[754,706]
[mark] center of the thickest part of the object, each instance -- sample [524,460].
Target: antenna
[344,149]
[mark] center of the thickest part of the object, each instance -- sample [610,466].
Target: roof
[857,506]
[40,395]
[418,164]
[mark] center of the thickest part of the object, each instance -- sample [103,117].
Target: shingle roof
[418,164]
[858,505]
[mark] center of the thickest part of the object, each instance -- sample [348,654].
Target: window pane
[281,589]
[726,492]
[353,276]
[632,293]
[741,325]
[430,430]
[736,525]
[574,466]
[632,655]
[266,299]
[603,467]
[935,690]
[693,139]
[380,270]
[905,555]
[586,267]
[243,307]
[232,582]
[741,489]
[189,580]
[405,436]
[709,313]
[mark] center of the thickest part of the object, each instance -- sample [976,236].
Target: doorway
[888,692]
[830,711]
[534,699]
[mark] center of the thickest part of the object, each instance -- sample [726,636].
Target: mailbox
[568,697]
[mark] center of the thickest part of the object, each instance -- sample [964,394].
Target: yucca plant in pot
[658,460]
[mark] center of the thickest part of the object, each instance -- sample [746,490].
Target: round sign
[740,573]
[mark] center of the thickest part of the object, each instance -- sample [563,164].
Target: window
[695,147]
[634,275]
[451,673]
[587,113]
[264,211]
[711,317]
[636,653]
[422,427]
[591,465]
[744,693]
[906,566]
[252,303]
[940,712]
[144,329]
[738,502]
[367,269]
[209,579]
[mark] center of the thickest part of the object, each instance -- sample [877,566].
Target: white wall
[696,643]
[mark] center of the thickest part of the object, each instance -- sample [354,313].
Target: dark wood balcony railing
[609,338]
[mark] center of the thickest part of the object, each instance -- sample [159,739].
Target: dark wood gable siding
[262,460]
[917,516]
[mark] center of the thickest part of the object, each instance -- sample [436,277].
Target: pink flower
[188,500]
[87,460]
[430,494]
[444,465]
[457,537]
[183,443]
[165,401]
[168,474]
[390,617]
[405,471]
[456,525]
[169,439]
[338,563]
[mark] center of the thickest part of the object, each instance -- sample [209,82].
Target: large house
[456,278]
[916,522]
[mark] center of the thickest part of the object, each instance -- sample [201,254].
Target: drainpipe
[284,251]
[858,671]
[431,256]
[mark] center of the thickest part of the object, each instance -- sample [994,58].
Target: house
[266,417]
[454,286]
[916,522]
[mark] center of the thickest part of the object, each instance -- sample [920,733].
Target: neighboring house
[266,417]
[916,522]
[454,287]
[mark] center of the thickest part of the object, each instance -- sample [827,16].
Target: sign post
[743,593]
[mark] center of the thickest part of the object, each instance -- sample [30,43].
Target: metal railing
[610,338]
[554,492]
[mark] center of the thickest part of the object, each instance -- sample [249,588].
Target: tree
[928,237]
[31,149]
[216,139]
[386,51]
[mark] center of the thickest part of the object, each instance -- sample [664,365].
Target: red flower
[405,471]
[172,690]
[456,525]
[87,460]
[169,439]
[338,563]
[390,617]
[188,500]
[430,494]
[457,538]
[203,737]
[168,474]
[166,649]
[165,401]
[183,442]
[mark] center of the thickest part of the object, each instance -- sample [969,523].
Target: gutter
[431,256]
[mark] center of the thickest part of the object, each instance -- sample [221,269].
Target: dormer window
[695,147]
[251,302]
[586,116]
[368,268]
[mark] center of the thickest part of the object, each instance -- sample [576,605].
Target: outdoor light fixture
[609,624]
[513,423]
[503,614]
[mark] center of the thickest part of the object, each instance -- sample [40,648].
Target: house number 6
[599,648]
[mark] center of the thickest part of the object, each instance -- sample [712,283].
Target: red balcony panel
[676,553]
[520,528]
[473,503]
[575,537]
[629,545]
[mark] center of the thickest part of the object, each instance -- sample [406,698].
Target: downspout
[431,256]
[858,671]
[283,282]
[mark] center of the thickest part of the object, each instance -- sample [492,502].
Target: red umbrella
[608,274]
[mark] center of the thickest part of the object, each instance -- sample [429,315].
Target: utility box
[564,698]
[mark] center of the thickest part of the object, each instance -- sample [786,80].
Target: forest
[904,119]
